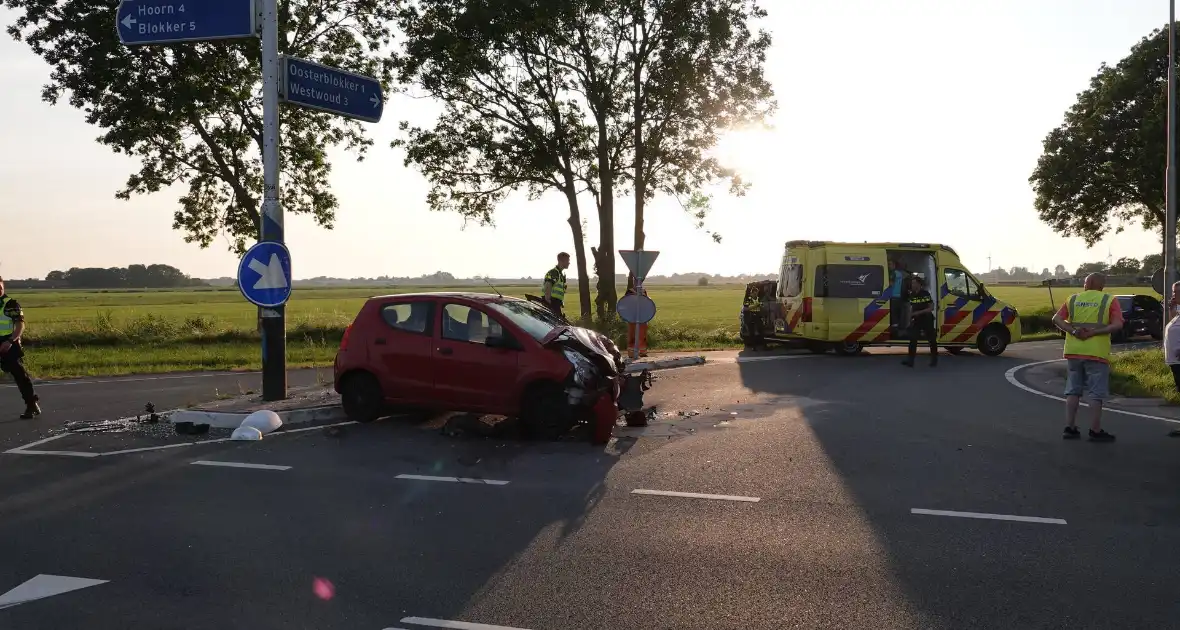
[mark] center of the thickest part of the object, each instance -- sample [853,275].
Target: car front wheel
[361,397]
[545,412]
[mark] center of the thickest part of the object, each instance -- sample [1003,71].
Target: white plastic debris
[264,420]
[249,434]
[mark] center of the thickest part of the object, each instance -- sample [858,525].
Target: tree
[1045,273]
[1091,267]
[703,281]
[1105,163]
[507,122]
[695,68]
[134,276]
[191,113]
[1060,272]
[1125,266]
[1152,262]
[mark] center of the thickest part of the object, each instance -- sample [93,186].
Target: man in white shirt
[1172,336]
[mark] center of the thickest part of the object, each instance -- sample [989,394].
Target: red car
[477,353]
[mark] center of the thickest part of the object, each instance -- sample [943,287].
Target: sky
[899,120]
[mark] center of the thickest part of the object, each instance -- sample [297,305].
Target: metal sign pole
[274,330]
[1170,171]
[635,341]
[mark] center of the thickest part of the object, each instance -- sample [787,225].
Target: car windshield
[536,321]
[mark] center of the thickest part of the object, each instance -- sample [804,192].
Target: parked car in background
[477,353]
[1143,316]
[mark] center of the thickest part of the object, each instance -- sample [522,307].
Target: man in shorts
[1088,319]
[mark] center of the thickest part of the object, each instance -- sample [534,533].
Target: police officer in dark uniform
[12,325]
[922,321]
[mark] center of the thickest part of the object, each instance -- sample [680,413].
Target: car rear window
[411,317]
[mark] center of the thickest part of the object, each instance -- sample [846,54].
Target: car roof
[475,297]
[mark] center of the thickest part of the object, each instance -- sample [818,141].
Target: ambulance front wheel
[848,348]
[993,340]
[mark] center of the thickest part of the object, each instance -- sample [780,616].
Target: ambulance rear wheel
[993,340]
[817,347]
[848,348]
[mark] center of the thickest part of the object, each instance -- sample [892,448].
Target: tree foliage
[1104,166]
[507,122]
[1152,262]
[192,113]
[1125,266]
[132,276]
[597,96]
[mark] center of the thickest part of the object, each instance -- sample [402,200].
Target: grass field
[77,333]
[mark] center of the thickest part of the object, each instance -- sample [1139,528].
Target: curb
[663,364]
[232,420]
[1012,378]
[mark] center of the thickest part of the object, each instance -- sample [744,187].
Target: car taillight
[344,338]
[807,309]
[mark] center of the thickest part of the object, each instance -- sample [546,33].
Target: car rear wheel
[361,397]
[848,348]
[993,340]
[545,412]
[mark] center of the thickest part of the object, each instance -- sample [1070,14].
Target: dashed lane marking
[697,495]
[994,517]
[488,482]
[203,462]
[452,625]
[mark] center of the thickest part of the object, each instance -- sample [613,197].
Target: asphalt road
[838,451]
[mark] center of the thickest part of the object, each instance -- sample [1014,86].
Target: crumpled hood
[588,339]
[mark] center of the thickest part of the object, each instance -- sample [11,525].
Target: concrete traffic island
[307,404]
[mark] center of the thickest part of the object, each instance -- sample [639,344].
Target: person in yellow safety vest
[1088,319]
[553,290]
[642,345]
[12,326]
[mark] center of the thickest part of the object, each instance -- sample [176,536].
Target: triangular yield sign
[639,261]
[44,586]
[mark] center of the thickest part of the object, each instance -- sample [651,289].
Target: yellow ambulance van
[836,296]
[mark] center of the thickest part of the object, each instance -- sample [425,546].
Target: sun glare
[750,152]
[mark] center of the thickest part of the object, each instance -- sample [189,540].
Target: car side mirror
[501,342]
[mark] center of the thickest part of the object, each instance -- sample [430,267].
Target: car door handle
[380,341]
[445,351]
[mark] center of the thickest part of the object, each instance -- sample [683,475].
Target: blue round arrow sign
[264,275]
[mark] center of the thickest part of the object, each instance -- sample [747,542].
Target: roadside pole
[1170,170]
[274,324]
[637,308]
[264,273]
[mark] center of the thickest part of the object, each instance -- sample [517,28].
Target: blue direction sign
[264,275]
[142,22]
[316,86]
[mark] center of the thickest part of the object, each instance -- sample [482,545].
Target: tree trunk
[640,153]
[605,255]
[575,222]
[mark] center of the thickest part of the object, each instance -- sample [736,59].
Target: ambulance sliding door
[853,282]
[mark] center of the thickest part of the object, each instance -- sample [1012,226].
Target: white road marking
[994,517]
[697,495]
[1011,376]
[490,482]
[780,357]
[204,462]
[25,450]
[137,379]
[454,625]
[43,586]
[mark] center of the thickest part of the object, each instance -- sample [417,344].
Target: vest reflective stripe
[558,279]
[1089,309]
[7,326]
